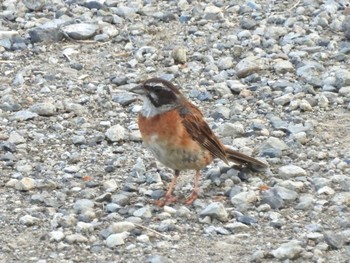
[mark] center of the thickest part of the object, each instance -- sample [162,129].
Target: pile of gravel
[273,80]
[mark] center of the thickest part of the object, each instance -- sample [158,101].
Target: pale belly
[177,158]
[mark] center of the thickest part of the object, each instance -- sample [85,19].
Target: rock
[215,210]
[116,133]
[76,239]
[81,31]
[290,250]
[25,115]
[179,54]
[290,171]
[334,240]
[123,226]
[116,240]
[25,184]
[345,91]
[212,12]
[311,73]
[29,220]
[44,109]
[34,5]
[232,129]
[248,66]
[244,197]
[283,66]
[272,198]
[82,205]
[305,105]
[16,138]
[56,236]
[237,227]
[225,63]
[144,212]
[222,90]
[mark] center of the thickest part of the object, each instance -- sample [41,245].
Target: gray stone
[334,240]
[232,129]
[290,171]
[311,73]
[34,5]
[179,54]
[116,133]
[81,31]
[286,194]
[212,12]
[123,226]
[225,63]
[115,240]
[16,138]
[283,66]
[76,239]
[248,66]
[82,205]
[43,109]
[25,115]
[215,210]
[306,201]
[25,184]
[290,250]
[56,236]
[272,198]
[29,220]
[144,212]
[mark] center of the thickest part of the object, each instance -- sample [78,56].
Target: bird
[175,131]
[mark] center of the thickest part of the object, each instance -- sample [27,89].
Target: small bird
[175,131]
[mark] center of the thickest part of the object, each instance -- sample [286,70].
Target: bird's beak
[139,89]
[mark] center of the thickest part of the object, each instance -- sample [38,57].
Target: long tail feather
[242,159]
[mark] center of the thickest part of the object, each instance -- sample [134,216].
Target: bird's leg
[169,198]
[193,196]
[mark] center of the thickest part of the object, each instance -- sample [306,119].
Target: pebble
[29,220]
[215,210]
[25,184]
[289,250]
[44,109]
[25,115]
[16,138]
[179,54]
[244,198]
[56,236]
[248,66]
[290,171]
[75,239]
[116,133]
[115,240]
[120,227]
[334,240]
[144,212]
[81,31]
[82,205]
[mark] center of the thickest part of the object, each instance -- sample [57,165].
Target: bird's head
[158,96]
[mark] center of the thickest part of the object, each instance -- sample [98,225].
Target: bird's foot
[191,198]
[165,201]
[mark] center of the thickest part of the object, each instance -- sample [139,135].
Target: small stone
[34,5]
[283,66]
[232,129]
[306,202]
[225,63]
[81,31]
[123,226]
[345,91]
[334,240]
[284,99]
[116,239]
[290,171]
[244,198]
[56,236]
[25,184]
[212,12]
[179,54]
[25,115]
[16,138]
[110,185]
[215,210]
[285,194]
[290,250]
[82,205]
[305,105]
[144,212]
[222,89]
[272,198]
[116,133]
[237,227]
[76,238]
[71,169]
[43,109]
[28,220]
[248,66]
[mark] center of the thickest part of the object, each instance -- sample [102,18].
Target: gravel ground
[273,80]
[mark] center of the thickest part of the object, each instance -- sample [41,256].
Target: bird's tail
[244,160]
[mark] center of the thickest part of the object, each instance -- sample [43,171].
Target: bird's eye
[157,89]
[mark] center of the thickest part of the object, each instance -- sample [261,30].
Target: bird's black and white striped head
[158,96]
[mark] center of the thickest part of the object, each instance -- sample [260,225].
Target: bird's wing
[199,130]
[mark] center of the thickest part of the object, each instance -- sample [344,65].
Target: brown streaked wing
[200,131]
